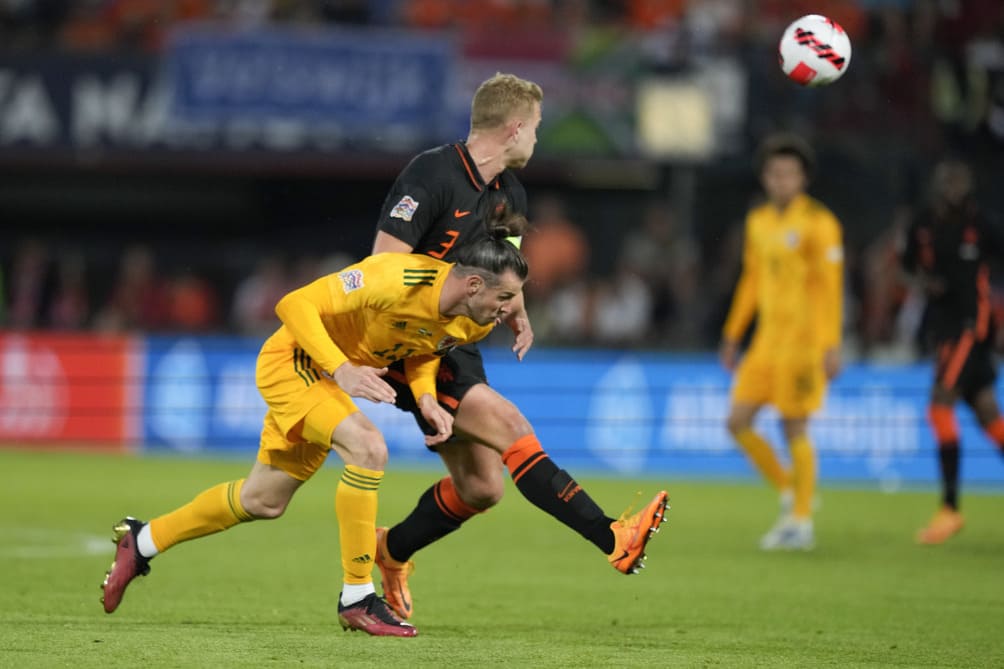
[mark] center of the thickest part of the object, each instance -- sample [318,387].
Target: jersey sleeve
[358,286]
[744,299]
[301,310]
[420,373]
[827,297]
[414,202]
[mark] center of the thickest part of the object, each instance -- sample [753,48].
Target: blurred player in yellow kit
[792,282]
[337,338]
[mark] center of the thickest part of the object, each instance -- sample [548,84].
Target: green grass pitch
[512,589]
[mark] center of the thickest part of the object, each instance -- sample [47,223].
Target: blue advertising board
[199,394]
[612,412]
[351,80]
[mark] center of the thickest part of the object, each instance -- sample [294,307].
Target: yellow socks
[803,461]
[763,458]
[356,508]
[212,511]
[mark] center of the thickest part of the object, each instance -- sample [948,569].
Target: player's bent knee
[737,424]
[510,422]
[517,427]
[370,452]
[263,507]
[358,442]
[481,494]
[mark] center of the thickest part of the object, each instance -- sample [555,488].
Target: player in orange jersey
[792,282]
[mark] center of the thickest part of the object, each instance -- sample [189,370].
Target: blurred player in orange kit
[947,254]
[792,282]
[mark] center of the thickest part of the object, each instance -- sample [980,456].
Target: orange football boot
[944,525]
[394,576]
[632,533]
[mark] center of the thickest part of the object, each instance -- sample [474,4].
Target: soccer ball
[814,51]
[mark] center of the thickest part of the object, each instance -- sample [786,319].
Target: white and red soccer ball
[814,51]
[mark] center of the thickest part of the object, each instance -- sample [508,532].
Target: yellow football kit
[792,281]
[382,309]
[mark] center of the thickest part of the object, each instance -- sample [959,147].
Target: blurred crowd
[143,24]
[660,294]
[50,286]
[928,81]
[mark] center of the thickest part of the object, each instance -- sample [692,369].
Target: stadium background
[168,169]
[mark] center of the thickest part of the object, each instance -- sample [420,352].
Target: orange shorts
[304,408]
[794,385]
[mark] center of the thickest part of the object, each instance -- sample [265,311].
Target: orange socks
[449,502]
[943,423]
[522,455]
[995,431]
[554,491]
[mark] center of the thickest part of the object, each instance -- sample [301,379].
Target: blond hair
[501,97]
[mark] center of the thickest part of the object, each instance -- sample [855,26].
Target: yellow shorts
[304,408]
[794,385]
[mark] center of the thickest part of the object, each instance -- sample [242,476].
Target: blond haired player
[792,281]
[338,336]
[442,202]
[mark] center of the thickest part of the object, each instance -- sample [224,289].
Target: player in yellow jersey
[338,336]
[792,282]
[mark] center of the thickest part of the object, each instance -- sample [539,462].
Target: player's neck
[488,155]
[782,205]
[451,297]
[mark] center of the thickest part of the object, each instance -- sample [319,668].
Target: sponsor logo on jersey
[352,279]
[399,325]
[424,332]
[404,209]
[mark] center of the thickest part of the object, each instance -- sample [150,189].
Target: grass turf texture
[513,588]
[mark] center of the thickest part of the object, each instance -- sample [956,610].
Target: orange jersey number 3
[447,245]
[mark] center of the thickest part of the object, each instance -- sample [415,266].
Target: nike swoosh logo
[459,214]
[623,555]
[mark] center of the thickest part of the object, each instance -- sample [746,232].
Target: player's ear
[514,127]
[474,283]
